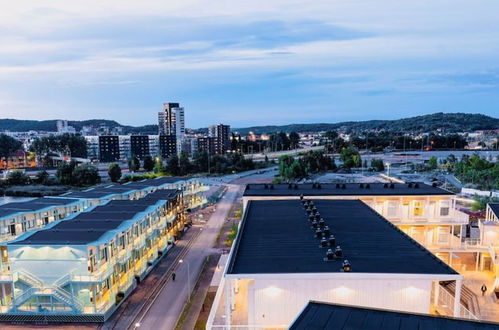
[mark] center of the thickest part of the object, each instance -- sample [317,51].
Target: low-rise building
[80,269]
[289,252]
[20,217]
[320,315]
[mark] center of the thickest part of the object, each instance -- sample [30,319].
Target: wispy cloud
[220,59]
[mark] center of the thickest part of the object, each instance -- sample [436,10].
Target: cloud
[274,56]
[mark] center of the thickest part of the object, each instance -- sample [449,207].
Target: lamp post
[188,280]
[388,168]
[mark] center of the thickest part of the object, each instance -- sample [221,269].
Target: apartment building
[288,252]
[426,213]
[85,266]
[220,134]
[20,217]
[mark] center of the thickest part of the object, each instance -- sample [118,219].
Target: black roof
[326,316]
[343,189]
[495,208]
[62,237]
[89,226]
[276,237]
[33,205]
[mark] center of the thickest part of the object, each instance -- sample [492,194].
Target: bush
[18,178]
[114,172]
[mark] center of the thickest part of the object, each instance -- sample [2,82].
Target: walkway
[164,313]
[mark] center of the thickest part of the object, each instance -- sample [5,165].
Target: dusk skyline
[251,64]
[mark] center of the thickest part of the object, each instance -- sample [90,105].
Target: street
[169,304]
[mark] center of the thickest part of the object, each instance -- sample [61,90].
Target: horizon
[251,126]
[248,64]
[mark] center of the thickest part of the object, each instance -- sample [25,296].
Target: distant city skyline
[248,64]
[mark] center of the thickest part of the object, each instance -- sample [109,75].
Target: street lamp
[137,325]
[188,279]
[388,168]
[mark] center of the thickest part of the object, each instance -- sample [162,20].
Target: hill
[446,122]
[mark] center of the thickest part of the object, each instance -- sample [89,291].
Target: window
[391,210]
[418,209]
[444,208]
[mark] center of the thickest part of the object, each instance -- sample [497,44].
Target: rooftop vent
[296,186]
[322,223]
[266,186]
[416,185]
[317,216]
[385,185]
[368,186]
[323,242]
[434,184]
[290,186]
[329,254]
[392,186]
[361,186]
[301,196]
[337,186]
[311,218]
[315,224]
[338,252]
[332,240]
[318,233]
[271,186]
[346,266]
[327,231]
[343,186]
[410,185]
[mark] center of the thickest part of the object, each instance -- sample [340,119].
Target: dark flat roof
[86,225]
[89,226]
[495,208]
[276,237]
[62,237]
[336,189]
[33,205]
[326,316]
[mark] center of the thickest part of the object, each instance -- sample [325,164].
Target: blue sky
[248,62]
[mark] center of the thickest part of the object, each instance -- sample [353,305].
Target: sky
[248,63]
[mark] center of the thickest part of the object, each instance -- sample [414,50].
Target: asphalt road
[165,311]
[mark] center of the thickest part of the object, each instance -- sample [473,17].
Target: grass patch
[231,235]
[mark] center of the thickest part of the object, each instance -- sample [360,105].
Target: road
[167,307]
[277,154]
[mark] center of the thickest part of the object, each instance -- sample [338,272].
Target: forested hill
[15,125]
[447,122]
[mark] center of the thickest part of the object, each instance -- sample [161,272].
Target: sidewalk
[199,294]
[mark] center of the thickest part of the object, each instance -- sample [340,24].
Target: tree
[294,139]
[64,173]
[42,177]
[433,163]
[350,157]
[158,165]
[378,165]
[134,164]
[148,163]
[184,163]
[85,175]
[172,165]
[18,178]
[8,145]
[114,172]
[74,145]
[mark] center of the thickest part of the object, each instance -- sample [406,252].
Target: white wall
[278,301]
[48,264]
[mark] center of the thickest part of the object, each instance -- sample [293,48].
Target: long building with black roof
[80,268]
[288,252]
[327,316]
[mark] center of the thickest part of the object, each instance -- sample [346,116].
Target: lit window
[391,209]
[418,209]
